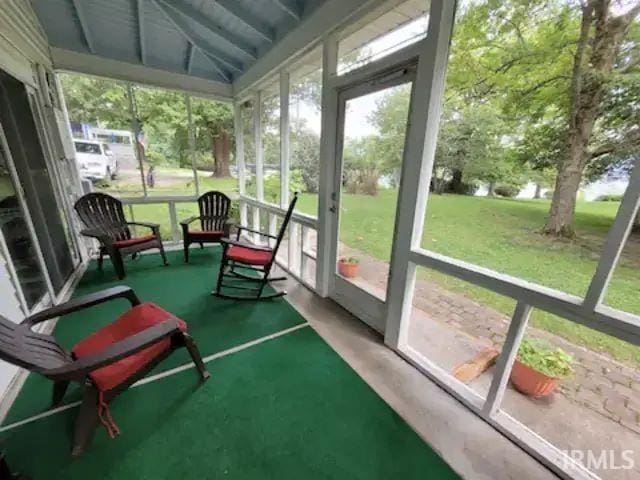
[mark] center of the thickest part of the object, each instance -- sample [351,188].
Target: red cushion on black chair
[133,321]
[249,255]
[132,241]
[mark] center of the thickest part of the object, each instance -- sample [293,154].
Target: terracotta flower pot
[531,382]
[347,270]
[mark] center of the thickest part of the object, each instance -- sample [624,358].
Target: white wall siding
[21,31]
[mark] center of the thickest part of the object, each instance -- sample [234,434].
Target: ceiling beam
[255,23]
[82,19]
[141,32]
[134,72]
[214,27]
[189,63]
[214,57]
[291,8]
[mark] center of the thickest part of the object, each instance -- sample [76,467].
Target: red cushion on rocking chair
[132,241]
[249,255]
[133,321]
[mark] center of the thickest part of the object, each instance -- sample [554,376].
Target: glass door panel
[20,245]
[372,125]
[35,179]
[374,131]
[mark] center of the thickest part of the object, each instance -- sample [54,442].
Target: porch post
[284,139]
[419,151]
[135,127]
[326,217]
[192,142]
[257,132]
[239,133]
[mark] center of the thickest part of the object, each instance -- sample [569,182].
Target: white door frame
[57,183]
[49,296]
[366,306]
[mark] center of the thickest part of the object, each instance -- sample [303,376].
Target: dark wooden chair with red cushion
[258,260]
[103,217]
[214,221]
[106,363]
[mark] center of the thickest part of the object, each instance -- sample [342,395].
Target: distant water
[589,193]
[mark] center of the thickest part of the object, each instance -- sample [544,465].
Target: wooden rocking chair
[214,221]
[256,259]
[107,362]
[104,218]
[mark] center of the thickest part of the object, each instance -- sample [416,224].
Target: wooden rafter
[141,32]
[254,23]
[82,19]
[214,27]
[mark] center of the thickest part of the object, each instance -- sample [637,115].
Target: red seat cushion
[249,255]
[133,321]
[132,241]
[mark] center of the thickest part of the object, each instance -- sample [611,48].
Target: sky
[359,109]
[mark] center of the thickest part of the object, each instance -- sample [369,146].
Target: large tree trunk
[220,150]
[538,192]
[588,86]
[455,186]
[491,189]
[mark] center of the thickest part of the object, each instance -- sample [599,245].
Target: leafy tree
[213,122]
[305,156]
[162,115]
[596,56]
[96,101]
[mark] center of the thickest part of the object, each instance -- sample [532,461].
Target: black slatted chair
[257,260]
[214,221]
[106,363]
[103,217]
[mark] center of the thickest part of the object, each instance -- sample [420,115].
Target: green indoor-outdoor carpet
[182,289]
[288,408]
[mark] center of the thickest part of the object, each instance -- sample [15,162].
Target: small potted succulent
[348,267]
[539,368]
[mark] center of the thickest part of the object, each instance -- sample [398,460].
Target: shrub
[508,191]
[542,357]
[271,185]
[611,197]
[460,188]
[350,260]
[155,158]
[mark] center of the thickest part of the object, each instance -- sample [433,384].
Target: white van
[95,160]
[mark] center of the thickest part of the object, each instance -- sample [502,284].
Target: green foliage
[161,114]
[350,260]
[508,191]
[272,185]
[305,156]
[540,356]
[96,101]
[609,198]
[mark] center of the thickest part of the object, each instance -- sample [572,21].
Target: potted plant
[539,368]
[348,267]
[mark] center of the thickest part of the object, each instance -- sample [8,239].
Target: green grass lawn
[500,234]
[504,235]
